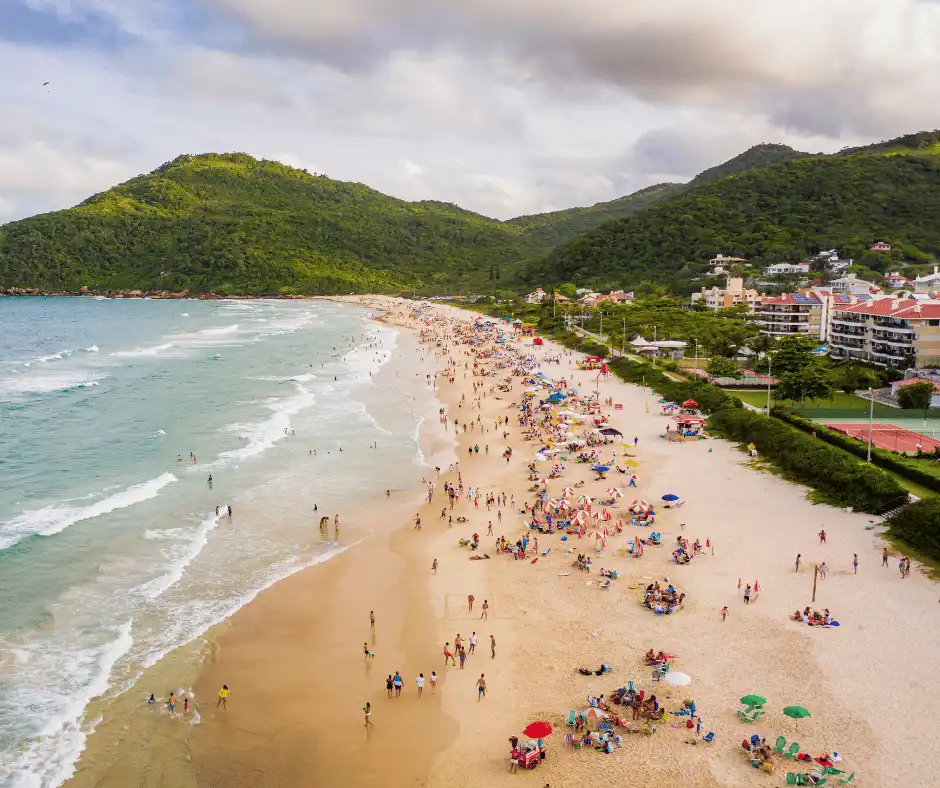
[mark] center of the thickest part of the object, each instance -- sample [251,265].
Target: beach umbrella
[615,492]
[537,730]
[602,468]
[796,712]
[595,535]
[610,431]
[632,463]
[670,497]
[639,502]
[595,714]
[566,491]
[689,403]
[584,498]
[543,481]
[753,700]
[676,678]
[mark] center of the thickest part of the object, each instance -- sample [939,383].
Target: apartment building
[889,332]
[732,294]
[793,313]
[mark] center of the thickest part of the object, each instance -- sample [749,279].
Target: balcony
[846,332]
[854,342]
[892,351]
[893,341]
[895,329]
[859,321]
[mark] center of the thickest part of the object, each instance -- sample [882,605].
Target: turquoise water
[111,553]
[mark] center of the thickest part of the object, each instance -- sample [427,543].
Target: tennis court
[889,436]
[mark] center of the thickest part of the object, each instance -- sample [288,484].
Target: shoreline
[300,679]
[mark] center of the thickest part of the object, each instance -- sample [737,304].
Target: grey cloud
[723,54]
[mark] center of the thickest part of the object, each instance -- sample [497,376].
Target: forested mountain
[890,192]
[232,224]
[547,230]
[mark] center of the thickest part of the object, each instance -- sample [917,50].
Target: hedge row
[709,398]
[841,480]
[918,525]
[879,457]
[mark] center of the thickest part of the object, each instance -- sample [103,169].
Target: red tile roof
[911,381]
[895,307]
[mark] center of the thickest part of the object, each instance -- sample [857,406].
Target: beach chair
[781,744]
[795,779]
[847,780]
[709,737]
[571,717]
[793,751]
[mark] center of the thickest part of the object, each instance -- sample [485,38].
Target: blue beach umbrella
[602,468]
[670,497]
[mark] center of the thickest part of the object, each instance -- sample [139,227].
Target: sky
[505,107]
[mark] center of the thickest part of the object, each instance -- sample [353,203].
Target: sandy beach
[294,660]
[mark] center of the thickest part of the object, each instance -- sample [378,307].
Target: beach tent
[537,341]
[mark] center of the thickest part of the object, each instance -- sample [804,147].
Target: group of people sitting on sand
[662,601]
[759,752]
[813,618]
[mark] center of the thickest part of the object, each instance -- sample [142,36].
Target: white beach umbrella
[676,678]
[584,499]
[567,491]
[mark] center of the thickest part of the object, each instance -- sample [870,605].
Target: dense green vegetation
[232,224]
[918,526]
[758,157]
[547,230]
[778,213]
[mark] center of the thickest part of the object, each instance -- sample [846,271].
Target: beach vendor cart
[690,426]
[527,753]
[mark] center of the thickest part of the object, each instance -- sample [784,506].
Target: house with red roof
[887,331]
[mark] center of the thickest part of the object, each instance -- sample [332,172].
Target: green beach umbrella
[796,712]
[753,700]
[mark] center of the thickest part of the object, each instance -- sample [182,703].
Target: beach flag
[739,582]
[708,542]
[756,589]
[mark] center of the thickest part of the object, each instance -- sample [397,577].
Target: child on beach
[481,688]
[367,710]
[365,650]
[433,679]
[223,697]
[724,613]
[434,566]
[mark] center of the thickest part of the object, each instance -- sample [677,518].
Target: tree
[917,396]
[790,354]
[803,384]
[568,289]
[719,367]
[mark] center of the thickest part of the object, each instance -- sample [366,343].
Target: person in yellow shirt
[223,696]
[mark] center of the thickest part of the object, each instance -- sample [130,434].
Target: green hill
[546,230]
[232,224]
[888,192]
[758,157]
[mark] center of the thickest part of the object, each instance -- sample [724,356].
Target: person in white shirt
[473,643]
[420,682]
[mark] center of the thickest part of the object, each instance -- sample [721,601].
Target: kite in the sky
[44,84]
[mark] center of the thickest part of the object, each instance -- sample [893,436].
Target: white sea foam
[92,349]
[232,329]
[56,517]
[158,433]
[263,435]
[59,686]
[181,558]
[143,352]
[47,383]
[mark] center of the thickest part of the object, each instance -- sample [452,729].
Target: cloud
[503,106]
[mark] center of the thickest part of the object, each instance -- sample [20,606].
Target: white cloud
[411,168]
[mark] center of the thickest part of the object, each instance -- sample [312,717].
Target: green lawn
[839,400]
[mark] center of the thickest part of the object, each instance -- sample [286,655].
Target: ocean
[113,416]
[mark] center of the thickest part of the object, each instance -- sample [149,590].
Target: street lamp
[871,414]
[770,361]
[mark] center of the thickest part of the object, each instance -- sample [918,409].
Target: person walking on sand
[489,530]
[417,522]
[822,536]
[434,566]
[433,679]
[823,570]
[492,647]
[171,703]
[470,599]
[420,683]
[448,655]
[367,710]
[462,655]
[481,688]
[724,614]
[485,615]
[473,643]
[372,620]
[855,563]
[747,594]
[365,650]
[397,681]
[884,557]
[798,556]
[223,697]
[389,685]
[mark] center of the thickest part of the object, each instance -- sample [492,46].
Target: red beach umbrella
[538,730]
